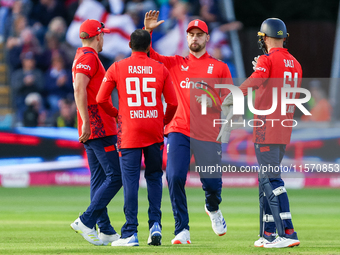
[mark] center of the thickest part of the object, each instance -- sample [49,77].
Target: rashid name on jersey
[140,82]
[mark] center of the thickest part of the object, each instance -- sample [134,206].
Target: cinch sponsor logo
[86,67]
[194,85]
[261,69]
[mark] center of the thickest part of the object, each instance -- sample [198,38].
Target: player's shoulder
[267,57]
[295,60]
[271,55]
[211,58]
[216,61]
[179,59]
[121,62]
[156,63]
[86,55]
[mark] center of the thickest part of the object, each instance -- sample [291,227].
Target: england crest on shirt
[210,68]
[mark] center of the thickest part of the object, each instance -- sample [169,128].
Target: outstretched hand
[199,100]
[255,62]
[150,20]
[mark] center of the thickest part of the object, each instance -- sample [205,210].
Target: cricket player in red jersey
[140,82]
[189,135]
[98,133]
[277,68]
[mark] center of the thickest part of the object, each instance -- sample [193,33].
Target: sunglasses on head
[103,26]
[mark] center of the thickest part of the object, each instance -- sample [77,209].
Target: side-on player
[140,82]
[189,134]
[98,133]
[277,68]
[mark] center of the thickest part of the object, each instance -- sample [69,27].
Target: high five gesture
[150,20]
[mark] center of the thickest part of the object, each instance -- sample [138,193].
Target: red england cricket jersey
[140,82]
[87,62]
[194,77]
[276,69]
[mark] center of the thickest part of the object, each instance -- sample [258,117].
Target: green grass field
[37,220]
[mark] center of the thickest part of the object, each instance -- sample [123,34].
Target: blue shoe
[129,241]
[155,237]
[292,236]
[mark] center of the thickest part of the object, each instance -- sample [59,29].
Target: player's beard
[197,47]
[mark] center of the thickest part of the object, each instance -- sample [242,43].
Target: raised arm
[150,20]
[150,23]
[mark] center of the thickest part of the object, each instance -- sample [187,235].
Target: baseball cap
[197,23]
[92,27]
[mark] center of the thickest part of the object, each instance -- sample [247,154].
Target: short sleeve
[87,64]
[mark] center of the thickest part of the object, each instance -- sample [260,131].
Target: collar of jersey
[138,53]
[89,48]
[205,55]
[276,49]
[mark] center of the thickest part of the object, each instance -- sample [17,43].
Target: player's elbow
[173,105]
[78,91]
[101,103]
[100,100]
[173,102]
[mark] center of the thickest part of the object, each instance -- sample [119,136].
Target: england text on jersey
[143,114]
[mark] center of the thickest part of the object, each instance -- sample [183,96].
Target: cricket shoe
[264,239]
[108,239]
[283,242]
[155,236]
[129,241]
[217,222]
[89,234]
[182,237]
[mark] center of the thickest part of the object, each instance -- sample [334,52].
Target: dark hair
[140,40]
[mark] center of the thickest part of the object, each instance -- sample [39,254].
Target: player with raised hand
[277,68]
[140,82]
[189,132]
[98,133]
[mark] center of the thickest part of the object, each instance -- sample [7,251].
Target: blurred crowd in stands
[40,45]
[39,56]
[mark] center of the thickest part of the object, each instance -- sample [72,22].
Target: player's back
[283,62]
[140,82]
[281,70]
